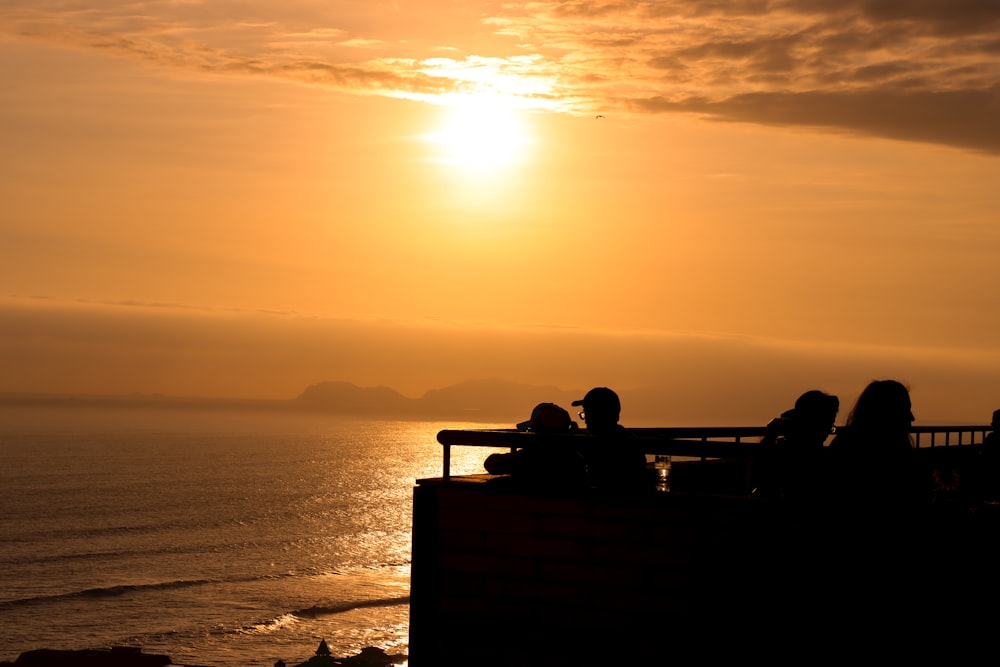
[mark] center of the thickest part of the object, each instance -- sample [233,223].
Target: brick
[639,555]
[468,497]
[530,592]
[459,519]
[590,574]
[589,528]
[484,564]
[510,523]
[463,585]
[540,548]
[462,541]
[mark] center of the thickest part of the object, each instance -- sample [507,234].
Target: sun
[481,133]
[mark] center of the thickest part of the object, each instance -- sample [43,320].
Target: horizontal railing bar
[675,441]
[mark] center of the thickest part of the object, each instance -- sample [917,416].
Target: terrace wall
[511,576]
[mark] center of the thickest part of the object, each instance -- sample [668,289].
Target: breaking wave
[106,592]
[329,610]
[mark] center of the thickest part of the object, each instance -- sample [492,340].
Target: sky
[725,200]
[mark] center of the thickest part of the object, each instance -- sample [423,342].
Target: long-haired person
[874,448]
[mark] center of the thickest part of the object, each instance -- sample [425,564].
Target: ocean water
[217,538]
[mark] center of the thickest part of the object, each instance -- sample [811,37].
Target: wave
[39,559]
[268,626]
[122,589]
[75,530]
[344,607]
[163,549]
[107,592]
[283,621]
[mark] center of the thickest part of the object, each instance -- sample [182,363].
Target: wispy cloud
[917,70]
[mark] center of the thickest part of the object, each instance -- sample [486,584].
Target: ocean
[215,537]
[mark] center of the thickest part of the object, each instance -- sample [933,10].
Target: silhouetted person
[874,450]
[876,490]
[614,461]
[989,482]
[812,423]
[992,438]
[793,467]
[808,424]
[546,463]
[601,411]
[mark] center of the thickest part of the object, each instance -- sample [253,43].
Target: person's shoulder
[500,463]
[843,440]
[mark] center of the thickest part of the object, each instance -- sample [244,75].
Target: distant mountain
[481,400]
[493,399]
[486,400]
[348,397]
[474,400]
[507,402]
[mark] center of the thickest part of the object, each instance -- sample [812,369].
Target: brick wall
[505,576]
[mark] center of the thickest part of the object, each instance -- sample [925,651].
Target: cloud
[967,119]
[845,65]
[363,43]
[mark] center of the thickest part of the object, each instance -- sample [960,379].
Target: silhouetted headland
[471,400]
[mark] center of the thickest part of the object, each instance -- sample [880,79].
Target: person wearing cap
[601,411]
[612,461]
[548,418]
[545,463]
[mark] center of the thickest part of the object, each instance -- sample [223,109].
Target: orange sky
[210,198]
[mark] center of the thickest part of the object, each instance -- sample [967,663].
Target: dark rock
[117,656]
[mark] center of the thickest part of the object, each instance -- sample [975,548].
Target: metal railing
[712,442]
[927,436]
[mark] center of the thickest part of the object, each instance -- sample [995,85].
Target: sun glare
[481,133]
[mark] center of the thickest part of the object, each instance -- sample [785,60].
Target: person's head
[548,418]
[601,409]
[996,420]
[883,406]
[814,414]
